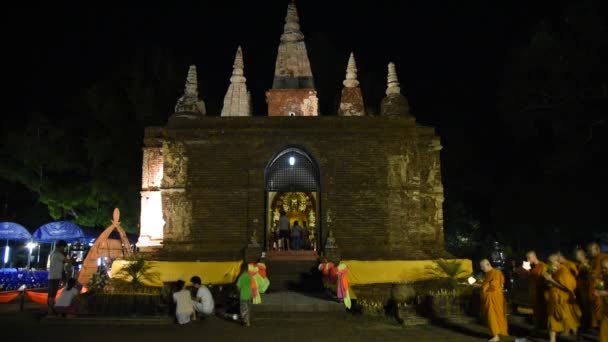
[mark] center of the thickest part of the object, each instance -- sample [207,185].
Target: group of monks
[564,295]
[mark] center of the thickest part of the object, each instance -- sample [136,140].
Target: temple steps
[294,275]
[294,302]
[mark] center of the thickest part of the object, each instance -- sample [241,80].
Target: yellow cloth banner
[396,271]
[214,273]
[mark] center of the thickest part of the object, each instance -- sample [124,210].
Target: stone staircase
[281,303]
[294,274]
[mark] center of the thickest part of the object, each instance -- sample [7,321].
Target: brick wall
[374,179]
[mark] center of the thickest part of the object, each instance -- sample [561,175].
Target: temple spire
[351,101]
[291,29]
[351,73]
[392,80]
[394,103]
[292,69]
[189,102]
[237,99]
[293,90]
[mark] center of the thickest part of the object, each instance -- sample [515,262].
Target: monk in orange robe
[595,276]
[563,313]
[536,290]
[582,285]
[493,301]
[570,265]
[602,295]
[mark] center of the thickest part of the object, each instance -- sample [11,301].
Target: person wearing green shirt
[244,285]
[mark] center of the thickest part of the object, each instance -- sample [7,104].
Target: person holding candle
[493,301]
[536,290]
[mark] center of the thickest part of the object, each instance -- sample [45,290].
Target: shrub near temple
[126,294]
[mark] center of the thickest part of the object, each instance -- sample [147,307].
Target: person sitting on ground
[184,310]
[203,301]
[68,303]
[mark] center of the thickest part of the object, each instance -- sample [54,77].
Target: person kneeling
[184,310]
[203,302]
[68,303]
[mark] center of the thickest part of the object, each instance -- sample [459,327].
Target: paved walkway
[297,302]
[28,326]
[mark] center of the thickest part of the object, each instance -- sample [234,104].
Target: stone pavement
[29,325]
[297,302]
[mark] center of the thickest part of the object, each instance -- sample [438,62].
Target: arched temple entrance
[292,183]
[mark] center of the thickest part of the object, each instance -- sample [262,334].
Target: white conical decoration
[392,80]
[237,99]
[189,102]
[351,73]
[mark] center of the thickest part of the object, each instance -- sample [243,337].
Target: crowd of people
[565,296]
[294,236]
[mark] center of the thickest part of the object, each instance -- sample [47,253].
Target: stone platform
[288,301]
[301,255]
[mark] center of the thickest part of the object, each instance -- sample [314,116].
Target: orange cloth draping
[9,296]
[563,313]
[596,276]
[604,321]
[396,271]
[493,303]
[41,297]
[582,291]
[536,293]
[571,266]
[604,330]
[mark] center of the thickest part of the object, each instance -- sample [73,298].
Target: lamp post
[30,246]
[38,257]
[6,255]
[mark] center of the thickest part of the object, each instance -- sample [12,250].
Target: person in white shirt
[203,302]
[68,302]
[55,273]
[184,311]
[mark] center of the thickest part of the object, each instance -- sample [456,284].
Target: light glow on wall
[151,219]
[151,214]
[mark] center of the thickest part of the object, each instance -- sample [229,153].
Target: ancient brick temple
[366,187]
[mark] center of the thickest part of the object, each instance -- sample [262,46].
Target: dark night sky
[451,58]
[449,55]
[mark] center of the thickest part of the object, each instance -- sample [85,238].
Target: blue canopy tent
[14,232]
[58,230]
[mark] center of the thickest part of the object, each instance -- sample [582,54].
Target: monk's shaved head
[485,265]
[593,248]
[605,264]
[554,259]
[531,257]
[580,255]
